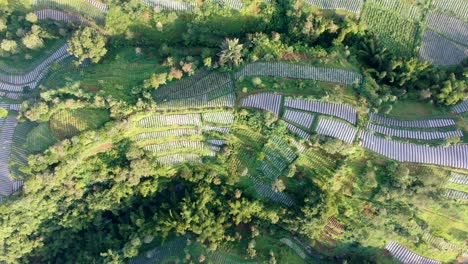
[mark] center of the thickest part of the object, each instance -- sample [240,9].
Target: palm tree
[231,53]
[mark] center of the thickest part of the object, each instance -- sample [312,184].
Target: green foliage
[231,53]
[87,43]
[3,112]
[68,123]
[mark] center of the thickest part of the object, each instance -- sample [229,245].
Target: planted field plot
[202,101]
[283,147]
[171,120]
[412,134]
[392,30]
[458,178]
[458,8]
[336,129]
[461,107]
[298,71]
[448,26]
[317,162]
[441,51]
[204,89]
[453,156]
[349,5]
[183,132]
[7,185]
[69,123]
[38,72]
[401,7]
[295,130]
[19,154]
[89,9]
[296,248]
[177,145]
[222,130]
[221,117]
[265,101]
[179,158]
[275,158]
[235,4]
[61,16]
[170,5]
[455,194]
[40,138]
[343,111]
[158,255]
[406,256]
[425,123]
[301,118]
[265,190]
[269,171]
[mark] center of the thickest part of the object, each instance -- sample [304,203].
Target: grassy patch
[69,123]
[40,138]
[416,110]
[119,73]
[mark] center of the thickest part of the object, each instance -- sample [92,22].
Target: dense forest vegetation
[96,189]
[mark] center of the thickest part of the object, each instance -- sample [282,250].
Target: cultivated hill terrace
[233,131]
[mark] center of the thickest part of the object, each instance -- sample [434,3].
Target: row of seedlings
[89,9]
[265,190]
[406,256]
[453,156]
[7,184]
[170,5]
[336,129]
[221,117]
[180,132]
[299,71]
[295,130]
[158,255]
[297,249]
[456,194]
[234,4]
[202,90]
[459,178]
[437,242]
[425,123]
[349,5]
[441,51]
[343,111]
[411,134]
[457,7]
[156,121]
[60,16]
[301,118]
[461,107]
[178,158]
[265,101]
[402,8]
[451,27]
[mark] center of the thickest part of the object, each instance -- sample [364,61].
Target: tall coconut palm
[231,53]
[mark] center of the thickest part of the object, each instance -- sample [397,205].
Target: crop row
[350,5]
[425,123]
[343,111]
[453,156]
[336,129]
[265,101]
[441,51]
[411,134]
[299,71]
